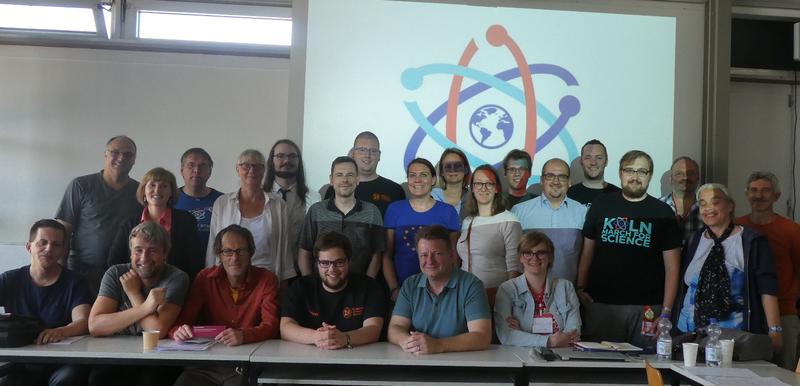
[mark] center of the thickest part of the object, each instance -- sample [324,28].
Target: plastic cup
[690,354]
[150,340]
[727,352]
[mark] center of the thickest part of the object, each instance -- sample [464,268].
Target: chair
[653,375]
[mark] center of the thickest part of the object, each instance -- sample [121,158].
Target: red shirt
[255,311]
[165,220]
[784,240]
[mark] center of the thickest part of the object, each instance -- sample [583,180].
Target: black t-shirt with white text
[628,265]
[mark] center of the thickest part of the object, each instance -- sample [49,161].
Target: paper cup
[690,354]
[727,351]
[150,340]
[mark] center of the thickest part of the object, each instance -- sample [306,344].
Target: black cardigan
[186,252]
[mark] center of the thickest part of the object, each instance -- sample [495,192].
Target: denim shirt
[515,299]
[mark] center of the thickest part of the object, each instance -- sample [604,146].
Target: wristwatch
[776,328]
[348,345]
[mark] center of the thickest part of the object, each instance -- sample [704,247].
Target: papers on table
[734,377]
[68,341]
[607,346]
[200,344]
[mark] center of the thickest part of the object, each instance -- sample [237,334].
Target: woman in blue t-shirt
[404,218]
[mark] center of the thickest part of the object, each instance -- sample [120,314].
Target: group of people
[457,259]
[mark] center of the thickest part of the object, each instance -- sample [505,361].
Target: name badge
[543,324]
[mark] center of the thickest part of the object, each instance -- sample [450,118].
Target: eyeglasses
[227,252]
[366,151]
[117,153]
[516,170]
[249,166]
[339,263]
[552,177]
[483,185]
[453,167]
[638,172]
[539,255]
[290,157]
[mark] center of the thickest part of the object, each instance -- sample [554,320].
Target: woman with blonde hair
[158,193]
[263,214]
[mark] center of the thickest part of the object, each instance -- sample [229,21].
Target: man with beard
[594,159]
[371,187]
[684,175]
[195,196]
[629,266]
[334,308]
[95,205]
[144,295]
[286,177]
[783,236]
[559,217]
[517,169]
[359,220]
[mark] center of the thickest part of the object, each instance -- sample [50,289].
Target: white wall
[58,107]
[760,139]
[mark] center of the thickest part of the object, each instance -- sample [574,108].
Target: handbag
[18,330]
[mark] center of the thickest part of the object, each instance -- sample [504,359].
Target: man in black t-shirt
[594,159]
[334,308]
[628,271]
[371,187]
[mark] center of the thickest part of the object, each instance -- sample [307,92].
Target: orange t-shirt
[784,241]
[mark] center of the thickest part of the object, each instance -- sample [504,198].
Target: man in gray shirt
[146,294]
[94,205]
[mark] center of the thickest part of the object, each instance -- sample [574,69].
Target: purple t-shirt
[405,222]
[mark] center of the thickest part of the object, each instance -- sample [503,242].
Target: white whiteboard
[58,107]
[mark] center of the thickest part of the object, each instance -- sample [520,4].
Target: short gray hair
[152,232]
[712,186]
[773,180]
[252,155]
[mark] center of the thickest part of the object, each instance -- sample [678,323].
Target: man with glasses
[286,177]
[94,205]
[234,294]
[334,308]
[559,217]
[594,160]
[372,188]
[517,169]
[629,266]
[684,175]
[360,220]
[195,196]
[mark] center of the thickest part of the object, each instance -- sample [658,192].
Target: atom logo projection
[491,126]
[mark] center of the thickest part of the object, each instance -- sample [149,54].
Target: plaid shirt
[688,224]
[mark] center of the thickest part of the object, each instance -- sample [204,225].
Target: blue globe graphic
[491,126]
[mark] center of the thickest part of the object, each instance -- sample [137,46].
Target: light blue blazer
[515,299]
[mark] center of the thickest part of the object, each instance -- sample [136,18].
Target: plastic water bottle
[713,347]
[664,343]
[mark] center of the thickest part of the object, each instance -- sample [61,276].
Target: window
[214,28]
[49,18]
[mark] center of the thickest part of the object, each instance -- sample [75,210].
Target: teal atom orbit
[569,106]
